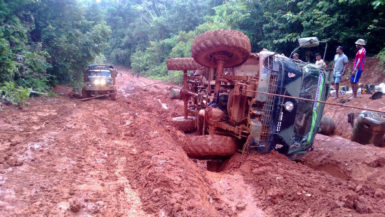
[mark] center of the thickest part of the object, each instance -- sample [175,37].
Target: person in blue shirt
[340,63]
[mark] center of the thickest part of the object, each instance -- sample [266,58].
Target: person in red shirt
[358,66]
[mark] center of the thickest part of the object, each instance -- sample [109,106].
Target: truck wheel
[113,95]
[181,64]
[233,45]
[326,126]
[185,125]
[210,146]
[85,93]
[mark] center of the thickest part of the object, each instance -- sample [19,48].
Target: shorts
[355,78]
[337,79]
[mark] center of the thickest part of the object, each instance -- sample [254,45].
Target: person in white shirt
[320,62]
[340,63]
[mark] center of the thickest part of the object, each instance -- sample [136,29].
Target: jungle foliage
[159,30]
[43,43]
[46,42]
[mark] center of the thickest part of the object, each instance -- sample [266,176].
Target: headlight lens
[289,106]
[100,82]
[103,82]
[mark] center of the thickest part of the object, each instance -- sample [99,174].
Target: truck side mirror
[308,42]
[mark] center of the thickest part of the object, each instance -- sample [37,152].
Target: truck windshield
[105,73]
[304,121]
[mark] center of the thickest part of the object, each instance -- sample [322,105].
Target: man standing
[358,66]
[340,63]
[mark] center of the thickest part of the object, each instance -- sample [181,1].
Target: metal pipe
[218,78]
[295,50]
[326,49]
[185,98]
[211,74]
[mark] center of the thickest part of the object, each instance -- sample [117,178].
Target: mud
[63,157]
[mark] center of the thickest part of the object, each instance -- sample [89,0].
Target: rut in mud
[62,157]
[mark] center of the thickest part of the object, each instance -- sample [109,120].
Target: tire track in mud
[168,181]
[64,165]
[175,185]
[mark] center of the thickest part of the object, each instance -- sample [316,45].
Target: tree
[70,38]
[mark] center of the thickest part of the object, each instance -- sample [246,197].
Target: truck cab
[288,124]
[99,80]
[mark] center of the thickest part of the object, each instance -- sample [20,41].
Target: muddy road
[64,157]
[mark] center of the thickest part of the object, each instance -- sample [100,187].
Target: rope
[299,98]
[318,101]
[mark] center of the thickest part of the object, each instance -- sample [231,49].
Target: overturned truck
[254,102]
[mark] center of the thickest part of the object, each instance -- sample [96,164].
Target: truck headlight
[103,82]
[289,106]
[100,82]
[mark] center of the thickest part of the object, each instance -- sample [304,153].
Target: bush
[139,61]
[381,56]
[10,93]
[176,77]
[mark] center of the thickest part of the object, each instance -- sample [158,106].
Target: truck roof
[93,66]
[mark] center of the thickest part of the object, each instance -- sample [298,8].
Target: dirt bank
[374,72]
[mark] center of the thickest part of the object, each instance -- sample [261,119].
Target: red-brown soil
[64,157]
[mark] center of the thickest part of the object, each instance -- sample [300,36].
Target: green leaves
[72,39]
[47,42]
[377,3]
[152,60]
[10,93]
[8,67]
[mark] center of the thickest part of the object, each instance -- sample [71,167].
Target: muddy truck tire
[210,146]
[181,64]
[326,126]
[233,45]
[85,94]
[185,125]
[114,95]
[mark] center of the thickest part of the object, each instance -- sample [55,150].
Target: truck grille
[268,108]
